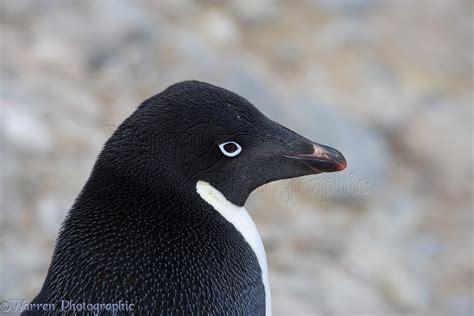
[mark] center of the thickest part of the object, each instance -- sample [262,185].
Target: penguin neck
[243,223]
[216,199]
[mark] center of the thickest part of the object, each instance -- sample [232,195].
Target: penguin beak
[321,159]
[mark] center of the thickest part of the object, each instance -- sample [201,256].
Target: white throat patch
[244,224]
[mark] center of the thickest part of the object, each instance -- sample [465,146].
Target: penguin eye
[230,149]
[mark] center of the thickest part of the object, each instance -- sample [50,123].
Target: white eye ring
[230,154]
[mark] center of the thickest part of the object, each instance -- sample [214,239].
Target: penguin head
[195,131]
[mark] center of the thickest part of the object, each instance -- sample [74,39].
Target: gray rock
[25,129]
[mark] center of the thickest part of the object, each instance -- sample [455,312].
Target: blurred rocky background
[389,83]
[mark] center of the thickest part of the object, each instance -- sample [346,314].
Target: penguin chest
[244,224]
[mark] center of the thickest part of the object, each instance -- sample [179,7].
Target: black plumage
[139,233]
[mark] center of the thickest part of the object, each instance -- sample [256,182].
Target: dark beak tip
[322,159]
[325,159]
[339,159]
[341,165]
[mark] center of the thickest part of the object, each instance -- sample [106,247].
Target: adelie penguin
[160,223]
